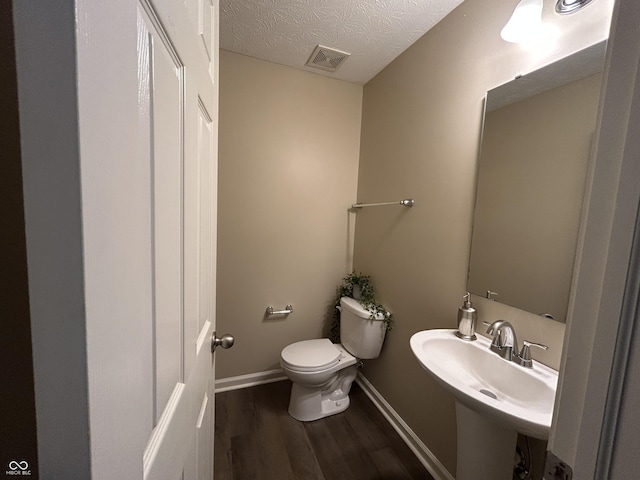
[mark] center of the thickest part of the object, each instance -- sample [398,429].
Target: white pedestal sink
[495,399]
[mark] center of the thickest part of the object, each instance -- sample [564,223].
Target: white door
[149,215]
[177,106]
[118,112]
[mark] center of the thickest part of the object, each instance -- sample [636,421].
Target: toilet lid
[311,354]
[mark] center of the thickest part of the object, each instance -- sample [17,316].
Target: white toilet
[322,372]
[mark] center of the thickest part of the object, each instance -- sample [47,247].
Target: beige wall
[288,161]
[420,135]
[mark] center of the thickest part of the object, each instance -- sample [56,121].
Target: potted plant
[359,287]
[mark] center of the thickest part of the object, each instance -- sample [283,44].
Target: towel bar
[407,202]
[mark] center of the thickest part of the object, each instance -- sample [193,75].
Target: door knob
[226,341]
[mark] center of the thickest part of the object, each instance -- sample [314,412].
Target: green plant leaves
[367,300]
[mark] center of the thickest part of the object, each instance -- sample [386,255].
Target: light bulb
[525,22]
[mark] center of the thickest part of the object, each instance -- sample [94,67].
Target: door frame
[603,315]
[45,42]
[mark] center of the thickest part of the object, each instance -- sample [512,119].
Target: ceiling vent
[327,59]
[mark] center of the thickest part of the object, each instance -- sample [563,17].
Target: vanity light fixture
[525,22]
[564,7]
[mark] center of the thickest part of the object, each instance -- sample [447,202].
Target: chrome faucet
[505,343]
[504,338]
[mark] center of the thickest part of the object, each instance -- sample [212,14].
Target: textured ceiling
[287,31]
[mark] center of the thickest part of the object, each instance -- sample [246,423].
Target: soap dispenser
[467,316]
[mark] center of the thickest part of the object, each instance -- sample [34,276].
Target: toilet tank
[361,335]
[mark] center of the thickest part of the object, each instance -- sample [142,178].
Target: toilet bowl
[322,372]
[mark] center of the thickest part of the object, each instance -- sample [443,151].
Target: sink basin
[501,391]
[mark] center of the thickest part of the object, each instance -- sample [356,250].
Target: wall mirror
[534,159]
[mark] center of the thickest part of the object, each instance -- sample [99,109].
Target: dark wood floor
[256,438]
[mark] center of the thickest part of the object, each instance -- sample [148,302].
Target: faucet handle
[524,357]
[527,344]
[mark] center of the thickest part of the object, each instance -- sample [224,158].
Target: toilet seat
[310,355]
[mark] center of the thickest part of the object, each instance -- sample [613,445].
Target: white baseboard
[250,380]
[426,457]
[420,450]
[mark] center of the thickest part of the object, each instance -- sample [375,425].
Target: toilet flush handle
[226,341]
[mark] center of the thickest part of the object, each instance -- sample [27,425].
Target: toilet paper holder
[287,310]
